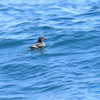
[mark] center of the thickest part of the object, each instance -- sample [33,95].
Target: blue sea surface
[66,66]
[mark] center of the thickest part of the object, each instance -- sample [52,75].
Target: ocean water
[66,66]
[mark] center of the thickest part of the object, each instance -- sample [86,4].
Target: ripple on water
[69,62]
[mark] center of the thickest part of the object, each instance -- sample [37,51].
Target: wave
[71,52]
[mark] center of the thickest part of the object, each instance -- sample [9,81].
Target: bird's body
[39,44]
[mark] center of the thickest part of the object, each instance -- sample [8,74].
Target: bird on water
[39,44]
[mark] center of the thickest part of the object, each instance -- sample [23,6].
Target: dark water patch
[1,5]
[14,71]
[3,8]
[12,98]
[93,13]
[75,42]
[88,14]
[52,88]
[63,18]
[22,24]
[7,86]
[11,43]
[94,8]
[46,27]
[59,37]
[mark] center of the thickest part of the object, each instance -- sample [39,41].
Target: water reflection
[39,50]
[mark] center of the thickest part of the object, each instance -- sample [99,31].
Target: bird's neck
[40,41]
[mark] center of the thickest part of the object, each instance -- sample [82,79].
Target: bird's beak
[44,38]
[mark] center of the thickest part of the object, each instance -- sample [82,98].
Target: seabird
[39,44]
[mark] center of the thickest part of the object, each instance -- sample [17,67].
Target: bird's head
[40,39]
